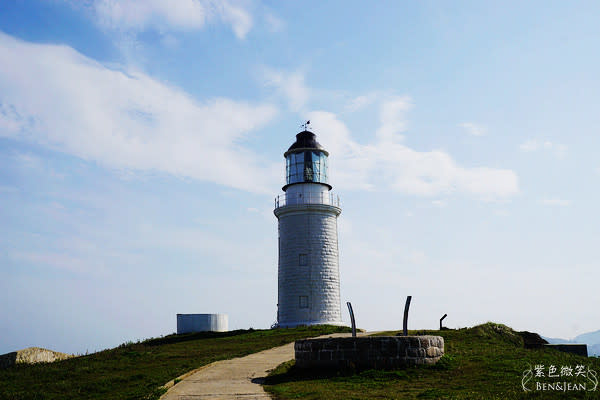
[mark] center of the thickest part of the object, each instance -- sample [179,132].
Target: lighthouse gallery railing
[288,199]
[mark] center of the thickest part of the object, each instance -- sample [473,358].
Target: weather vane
[305,125]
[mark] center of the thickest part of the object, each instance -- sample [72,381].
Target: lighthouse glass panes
[306,166]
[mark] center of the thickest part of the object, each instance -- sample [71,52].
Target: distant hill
[556,340]
[589,338]
[592,339]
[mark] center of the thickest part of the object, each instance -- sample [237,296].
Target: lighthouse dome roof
[305,140]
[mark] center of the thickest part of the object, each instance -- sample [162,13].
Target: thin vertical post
[406,307]
[441,319]
[352,318]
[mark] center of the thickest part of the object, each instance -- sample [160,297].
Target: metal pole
[406,306]
[441,319]
[352,318]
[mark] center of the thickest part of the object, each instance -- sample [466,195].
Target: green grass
[138,370]
[483,362]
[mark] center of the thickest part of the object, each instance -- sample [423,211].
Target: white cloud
[392,118]
[129,121]
[289,85]
[38,164]
[63,100]
[473,129]
[555,202]
[417,257]
[559,150]
[274,23]
[28,160]
[10,121]
[531,145]
[239,19]
[137,15]
[439,203]
[61,262]
[361,102]
[388,163]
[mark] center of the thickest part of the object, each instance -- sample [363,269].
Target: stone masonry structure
[379,352]
[308,230]
[308,273]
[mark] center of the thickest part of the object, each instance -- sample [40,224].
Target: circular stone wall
[379,352]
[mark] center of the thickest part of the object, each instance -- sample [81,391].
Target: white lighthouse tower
[309,278]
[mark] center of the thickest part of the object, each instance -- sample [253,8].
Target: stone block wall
[379,352]
[308,279]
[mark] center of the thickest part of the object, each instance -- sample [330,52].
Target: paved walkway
[238,378]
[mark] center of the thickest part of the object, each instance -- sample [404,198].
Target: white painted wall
[309,229]
[187,323]
[307,193]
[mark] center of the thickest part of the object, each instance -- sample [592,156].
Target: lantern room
[306,161]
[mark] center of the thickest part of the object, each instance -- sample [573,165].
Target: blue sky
[141,148]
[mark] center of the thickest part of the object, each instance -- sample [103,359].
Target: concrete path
[238,378]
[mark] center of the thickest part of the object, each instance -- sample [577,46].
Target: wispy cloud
[60,262]
[127,120]
[391,164]
[174,15]
[11,121]
[130,121]
[439,203]
[531,145]
[362,101]
[553,201]
[392,118]
[31,161]
[273,22]
[289,85]
[473,129]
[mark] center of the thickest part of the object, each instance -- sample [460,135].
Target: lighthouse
[307,212]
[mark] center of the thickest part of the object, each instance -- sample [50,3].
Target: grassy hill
[483,362]
[138,370]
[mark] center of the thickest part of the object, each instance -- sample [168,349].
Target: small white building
[308,277]
[187,323]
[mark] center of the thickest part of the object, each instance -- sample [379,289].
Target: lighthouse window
[302,259]
[308,166]
[303,301]
[295,168]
